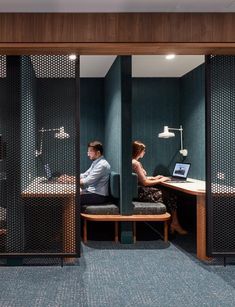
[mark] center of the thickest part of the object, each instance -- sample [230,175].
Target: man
[95,181]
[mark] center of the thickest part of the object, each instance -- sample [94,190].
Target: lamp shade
[61,134]
[166,133]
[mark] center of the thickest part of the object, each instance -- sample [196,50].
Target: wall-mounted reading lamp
[167,134]
[59,134]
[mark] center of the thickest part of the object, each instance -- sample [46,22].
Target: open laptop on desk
[180,172]
[50,177]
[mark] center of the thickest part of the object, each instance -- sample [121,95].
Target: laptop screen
[48,172]
[181,170]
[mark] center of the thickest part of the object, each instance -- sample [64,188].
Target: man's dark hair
[97,146]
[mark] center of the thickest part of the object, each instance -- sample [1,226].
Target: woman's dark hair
[137,148]
[97,146]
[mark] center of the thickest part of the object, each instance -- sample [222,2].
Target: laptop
[50,177]
[180,172]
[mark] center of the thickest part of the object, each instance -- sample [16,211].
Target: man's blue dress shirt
[96,178]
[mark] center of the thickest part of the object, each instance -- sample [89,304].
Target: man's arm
[84,175]
[72,179]
[95,174]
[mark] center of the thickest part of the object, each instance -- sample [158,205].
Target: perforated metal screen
[39,142]
[220,155]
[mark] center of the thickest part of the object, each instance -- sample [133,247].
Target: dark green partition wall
[112,93]
[192,117]
[118,132]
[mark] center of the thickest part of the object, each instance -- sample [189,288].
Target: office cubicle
[40,132]
[171,93]
[36,106]
[106,115]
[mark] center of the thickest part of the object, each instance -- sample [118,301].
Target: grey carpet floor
[145,274]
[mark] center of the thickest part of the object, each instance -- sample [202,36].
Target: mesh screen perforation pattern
[39,213]
[220,155]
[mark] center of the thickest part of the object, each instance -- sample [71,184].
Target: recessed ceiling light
[170,56]
[230,5]
[72,57]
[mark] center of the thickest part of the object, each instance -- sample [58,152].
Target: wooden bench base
[126,218]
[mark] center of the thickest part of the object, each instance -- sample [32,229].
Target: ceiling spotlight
[170,56]
[72,57]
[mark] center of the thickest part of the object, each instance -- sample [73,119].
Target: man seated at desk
[95,181]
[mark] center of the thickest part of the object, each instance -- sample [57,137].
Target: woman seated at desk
[148,192]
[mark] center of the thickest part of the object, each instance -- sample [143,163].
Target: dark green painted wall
[155,104]
[192,117]
[112,112]
[172,102]
[91,115]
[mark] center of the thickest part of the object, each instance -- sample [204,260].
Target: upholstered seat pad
[100,209]
[148,208]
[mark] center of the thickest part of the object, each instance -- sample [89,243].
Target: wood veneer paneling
[116,27]
[116,48]
[117,33]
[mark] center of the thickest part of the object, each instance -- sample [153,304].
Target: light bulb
[170,56]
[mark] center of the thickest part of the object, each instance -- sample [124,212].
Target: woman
[148,191]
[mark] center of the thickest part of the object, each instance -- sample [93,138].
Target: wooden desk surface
[191,186]
[37,188]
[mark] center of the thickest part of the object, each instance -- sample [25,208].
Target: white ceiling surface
[142,66]
[95,66]
[159,66]
[117,6]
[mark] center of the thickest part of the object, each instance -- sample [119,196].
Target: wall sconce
[59,134]
[167,134]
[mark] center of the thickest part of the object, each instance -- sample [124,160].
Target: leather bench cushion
[114,185]
[148,208]
[100,209]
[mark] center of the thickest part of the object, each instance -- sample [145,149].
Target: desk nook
[47,120]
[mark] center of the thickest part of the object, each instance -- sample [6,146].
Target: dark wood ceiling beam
[117,27]
[117,33]
[116,48]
